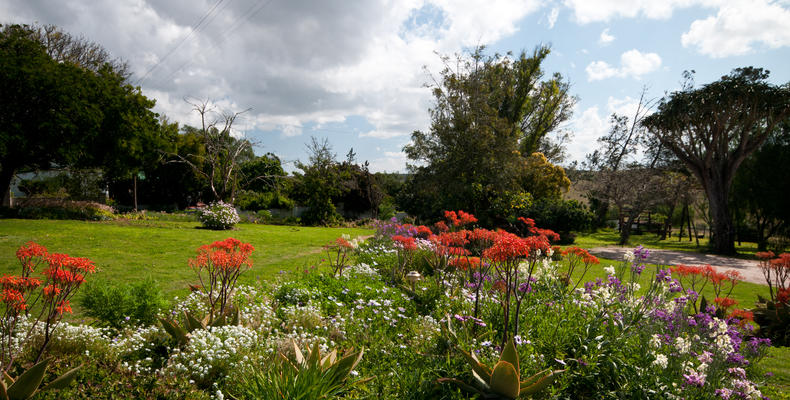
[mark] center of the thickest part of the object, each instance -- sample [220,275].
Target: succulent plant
[504,380]
[27,385]
[181,331]
[339,367]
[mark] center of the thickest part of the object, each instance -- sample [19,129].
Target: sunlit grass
[125,251]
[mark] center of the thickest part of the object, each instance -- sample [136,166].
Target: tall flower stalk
[59,282]
[218,266]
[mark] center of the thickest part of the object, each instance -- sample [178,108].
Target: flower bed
[411,308]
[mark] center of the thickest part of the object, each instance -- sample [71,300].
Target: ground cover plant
[448,311]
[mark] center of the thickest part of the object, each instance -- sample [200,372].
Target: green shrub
[249,200]
[118,305]
[561,216]
[64,209]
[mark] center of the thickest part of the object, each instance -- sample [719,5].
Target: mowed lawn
[125,251]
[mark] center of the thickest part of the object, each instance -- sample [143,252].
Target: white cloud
[587,127]
[291,130]
[390,162]
[633,63]
[598,70]
[553,15]
[738,27]
[605,37]
[586,11]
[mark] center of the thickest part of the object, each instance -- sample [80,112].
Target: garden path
[749,269]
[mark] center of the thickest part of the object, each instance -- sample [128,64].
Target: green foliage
[68,113]
[561,216]
[504,380]
[774,320]
[256,201]
[759,192]
[490,116]
[118,305]
[27,384]
[714,128]
[308,377]
[62,209]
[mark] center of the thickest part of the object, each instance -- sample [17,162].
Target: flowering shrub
[59,282]
[218,216]
[613,337]
[218,266]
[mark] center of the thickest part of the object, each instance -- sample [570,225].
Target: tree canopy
[713,128]
[490,114]
[68,111]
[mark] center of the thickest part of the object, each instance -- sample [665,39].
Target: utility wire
[251,12]
[195,28]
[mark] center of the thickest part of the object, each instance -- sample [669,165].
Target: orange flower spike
[64,307]
[765,255]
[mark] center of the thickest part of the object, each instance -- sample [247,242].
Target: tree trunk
[6,175]
[722,237]
[625,231]
[668,223]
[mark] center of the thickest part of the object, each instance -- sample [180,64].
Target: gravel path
[749,269]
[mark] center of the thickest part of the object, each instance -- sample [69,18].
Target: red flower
[582,254]
[465,263]
[343,243]
[405,242]
[725,302]
[783,295]
[765,255]
[441,226]
[743,315]
[423,231]
[63,306]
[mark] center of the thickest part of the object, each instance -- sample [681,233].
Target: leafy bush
[254,201]
[561,216]
[118,305]
[218,216]
[63,209]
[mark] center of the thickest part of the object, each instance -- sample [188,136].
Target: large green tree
[58,112]
[760,189]
[490,114]
[714,128]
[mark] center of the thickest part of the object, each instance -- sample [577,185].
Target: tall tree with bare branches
[224,153]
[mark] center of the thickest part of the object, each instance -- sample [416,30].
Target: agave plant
[27,385]
[182,331]
[504,380]
[310,376]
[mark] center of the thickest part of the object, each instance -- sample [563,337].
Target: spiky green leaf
[64,380]
[504,380]
[26,384]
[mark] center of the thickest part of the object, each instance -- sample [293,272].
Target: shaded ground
[749,269]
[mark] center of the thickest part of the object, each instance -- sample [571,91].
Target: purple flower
[694,379]
[637,268]
[641,253]
[664,275]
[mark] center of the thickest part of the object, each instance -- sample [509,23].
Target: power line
[195,28]
[245,16]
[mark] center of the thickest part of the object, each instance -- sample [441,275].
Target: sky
[356,72]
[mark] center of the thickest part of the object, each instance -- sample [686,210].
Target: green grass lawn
[125,251]
[777,365]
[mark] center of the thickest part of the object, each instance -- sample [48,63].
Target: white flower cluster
[218,215]
[212,353]
[363,269]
